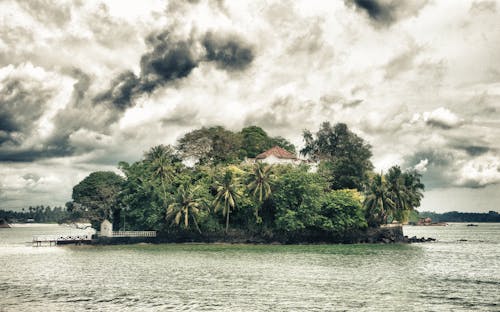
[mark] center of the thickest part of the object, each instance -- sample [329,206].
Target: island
[217,185]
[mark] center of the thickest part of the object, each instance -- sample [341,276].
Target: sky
[86,84]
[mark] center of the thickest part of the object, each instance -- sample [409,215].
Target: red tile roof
[276,152]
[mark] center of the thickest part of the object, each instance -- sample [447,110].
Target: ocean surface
[459,272]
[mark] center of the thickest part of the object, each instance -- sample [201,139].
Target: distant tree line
[39,214]
[455,216]
[221,194]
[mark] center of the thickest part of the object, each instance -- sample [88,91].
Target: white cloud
[442,117]
[480,171]
[422,165]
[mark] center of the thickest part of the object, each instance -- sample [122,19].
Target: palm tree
[259,183]
[163,169]
[226,196]
[378,203]
[414,188]
[162,159]
[185,206]
[398,192]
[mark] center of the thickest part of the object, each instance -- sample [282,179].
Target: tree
[283,143]
[398,193]
[142,196]
[162,160]
[98,194]
[405,190]
[259,184]
[297,198]
[162,151]
[185,206]
[255,141]
[414,188]
[226,196]
[378,203]
[342,212]
[345,155]
[212,145]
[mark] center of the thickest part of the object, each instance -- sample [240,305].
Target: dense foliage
[345,156]
[455,216]
[38,214]
[97,195]
[203,187]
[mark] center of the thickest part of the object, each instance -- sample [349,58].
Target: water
[448,275]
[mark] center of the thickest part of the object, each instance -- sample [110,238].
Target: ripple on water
[441,276]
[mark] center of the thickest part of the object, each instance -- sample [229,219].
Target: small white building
[278,155]
[106,229]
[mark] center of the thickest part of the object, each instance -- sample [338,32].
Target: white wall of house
[273,160]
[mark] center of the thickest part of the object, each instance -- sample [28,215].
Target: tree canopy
[344,155]
[98,196]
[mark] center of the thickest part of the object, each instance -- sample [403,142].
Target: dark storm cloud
[476,150]
[472,146]
[54,149]
[121,91]
[167,60]
[81,86]
[439,167]
[382,13]
[442,124]
[438,124]
[23,101]
[170,59]
[20,107]
[386,12]
[228,52]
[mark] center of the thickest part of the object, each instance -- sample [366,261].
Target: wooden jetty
[54,240]
[79,239]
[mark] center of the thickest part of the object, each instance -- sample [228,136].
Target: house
[278,155]
[424,221]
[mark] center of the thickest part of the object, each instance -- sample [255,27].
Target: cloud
[442,118]
[22,103]
[166,61]
[227,51]
[403,62]
[29,99]
[387,12]
[376,10]
[121,91]
[47,12]
[480,172]
[170,59]
[422,165]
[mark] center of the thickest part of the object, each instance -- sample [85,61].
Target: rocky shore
[381,235]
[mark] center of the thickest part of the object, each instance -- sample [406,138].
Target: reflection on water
[441,276]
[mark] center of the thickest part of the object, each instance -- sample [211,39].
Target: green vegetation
[38,214]
[455,216]
[223,196]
